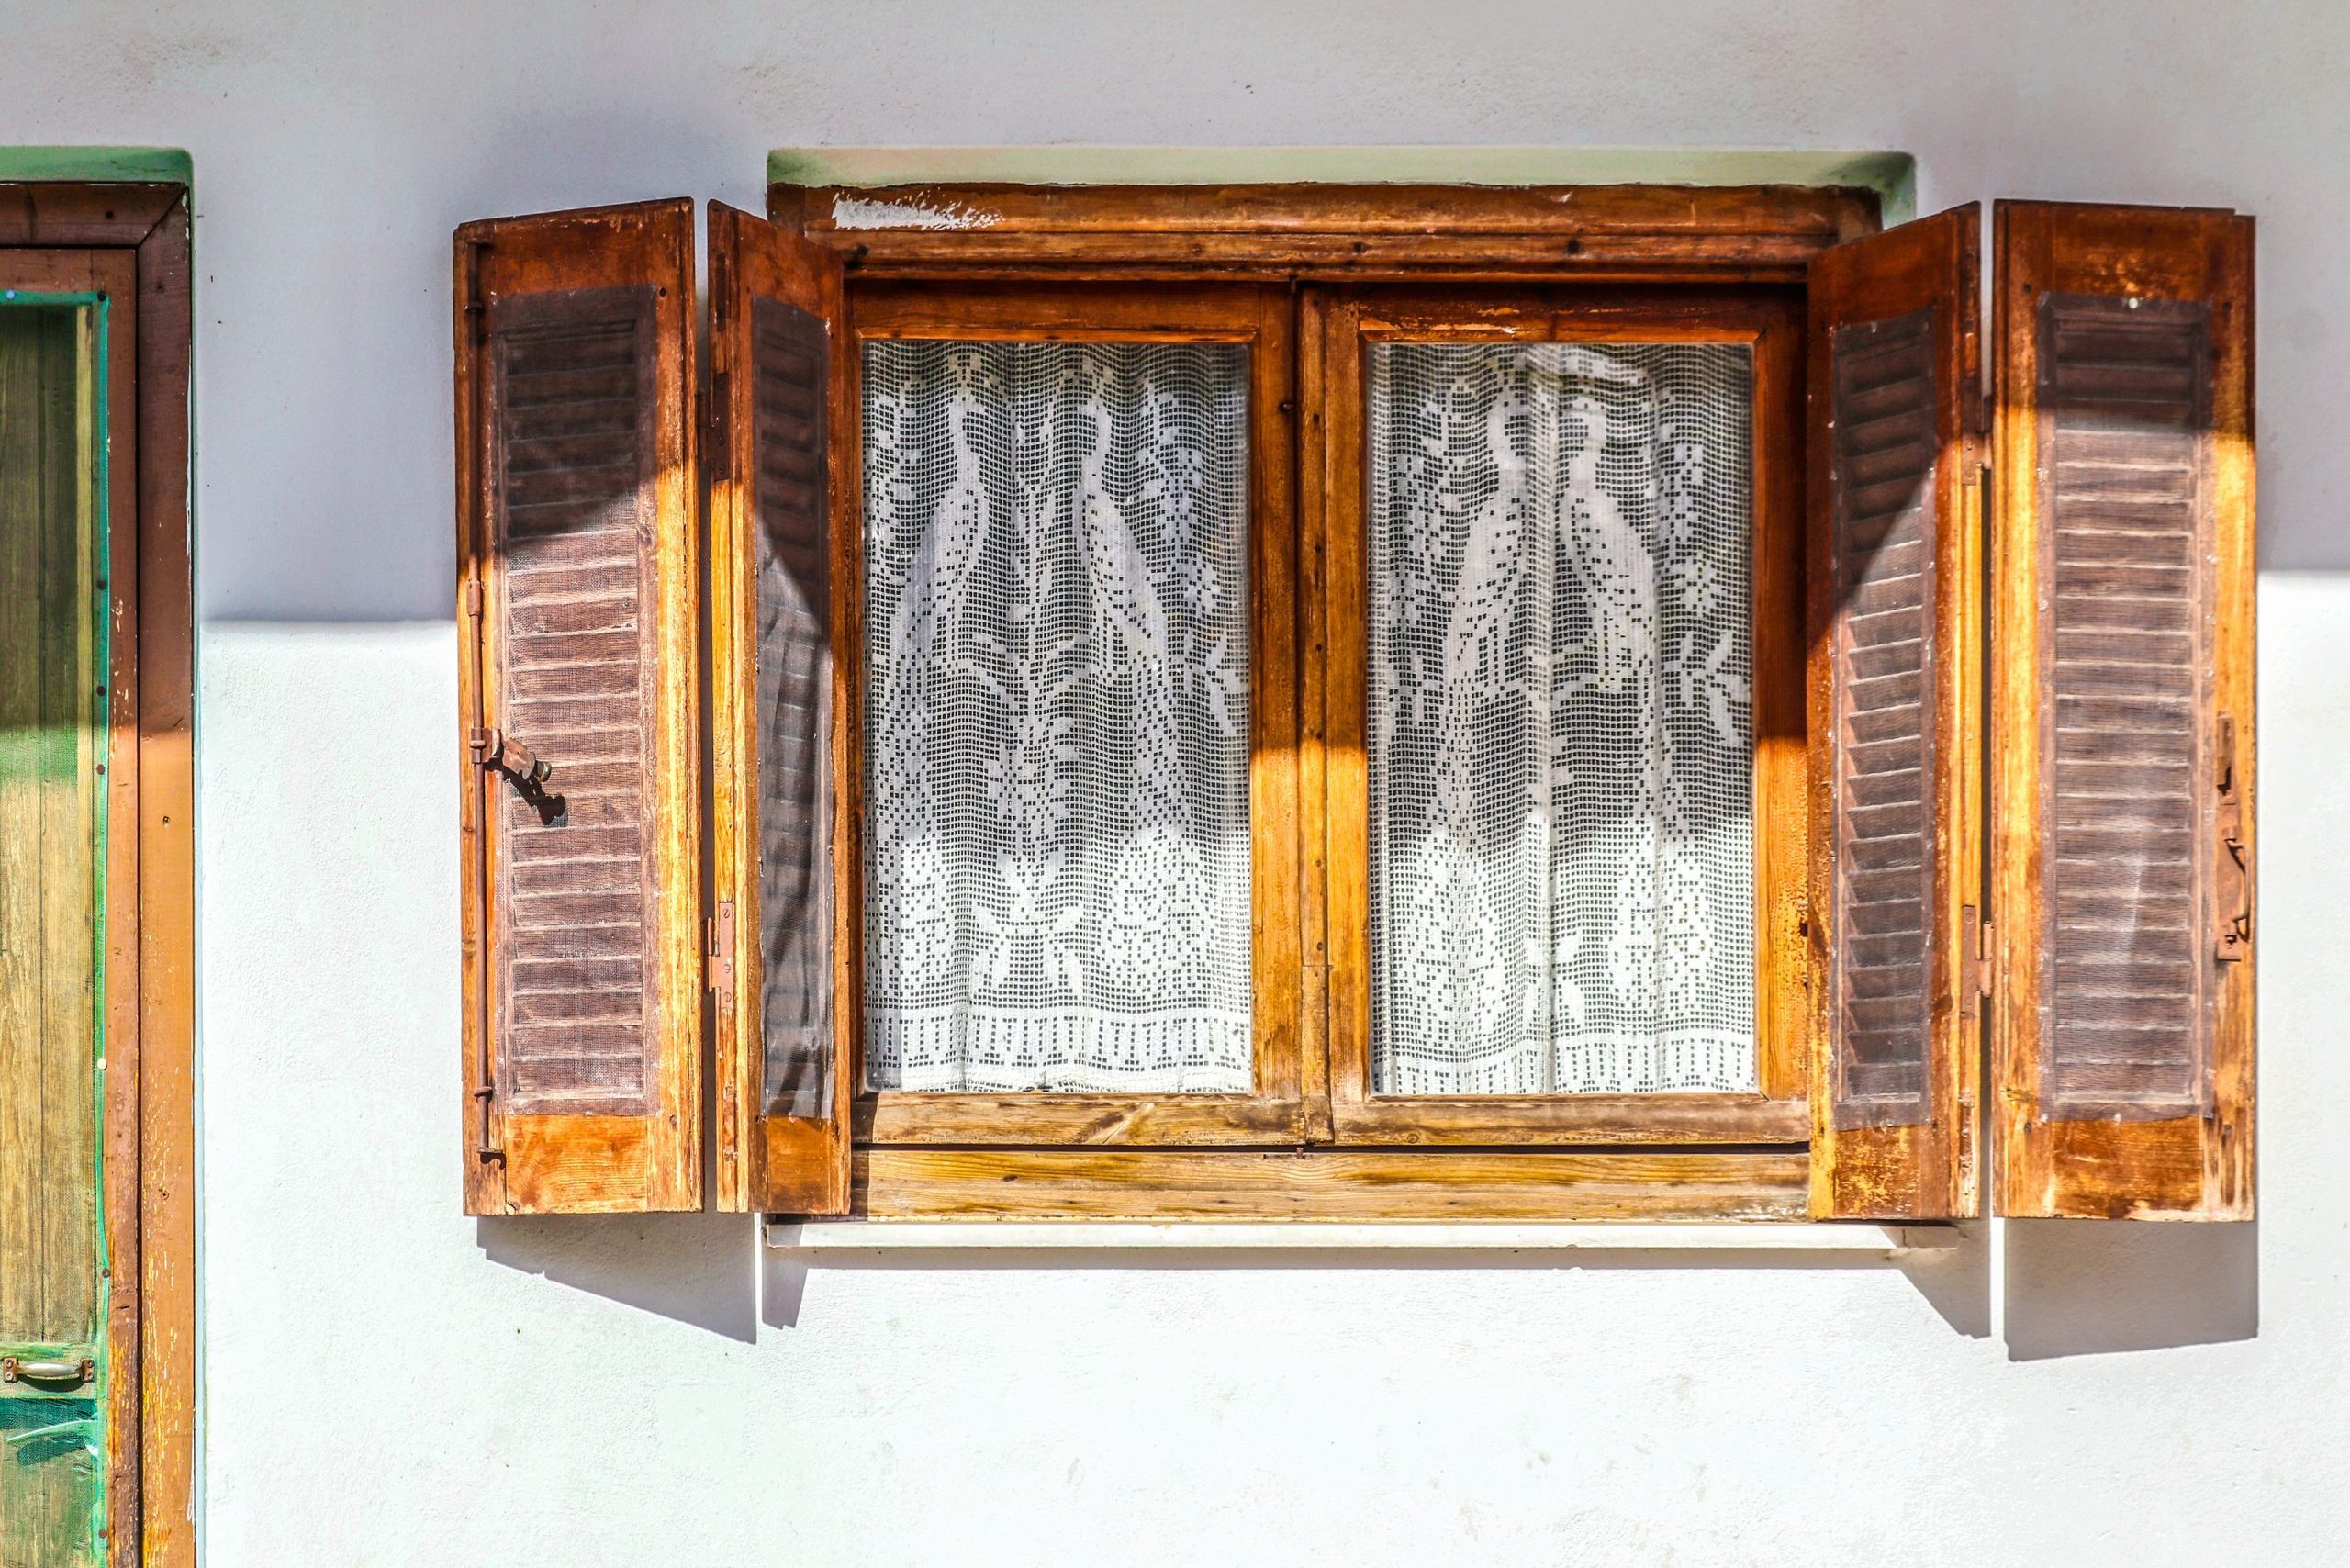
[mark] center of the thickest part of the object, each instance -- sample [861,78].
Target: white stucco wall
[392,1383]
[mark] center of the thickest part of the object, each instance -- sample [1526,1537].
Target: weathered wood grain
[1328,1184]
[52,745]
[1330,232]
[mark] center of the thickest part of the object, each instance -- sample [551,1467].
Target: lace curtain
[1056,717]
[1561,732]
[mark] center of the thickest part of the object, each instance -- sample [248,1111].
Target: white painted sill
[863,1236]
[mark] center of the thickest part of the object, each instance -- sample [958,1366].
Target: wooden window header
[1763,233]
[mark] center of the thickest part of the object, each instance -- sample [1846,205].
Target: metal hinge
[2233,909]
[474,251]
[1974,959]
[486,1146]
[469,598]
[719,929]
[720,390]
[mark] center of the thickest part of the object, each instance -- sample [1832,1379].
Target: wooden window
[96,877]
[1597,566]
[1401,702]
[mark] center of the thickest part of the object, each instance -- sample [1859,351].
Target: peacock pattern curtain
[1056,717]
[1561,731]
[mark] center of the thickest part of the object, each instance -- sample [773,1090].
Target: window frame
[1749,1160]
[1273,1112]
[1770,323]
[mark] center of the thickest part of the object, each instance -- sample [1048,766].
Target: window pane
[1056,717]
[1561,736]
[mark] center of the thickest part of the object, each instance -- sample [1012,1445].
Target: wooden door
[59,337]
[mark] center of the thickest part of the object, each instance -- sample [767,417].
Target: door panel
[53,663]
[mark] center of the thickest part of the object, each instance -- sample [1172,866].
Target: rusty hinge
[716,446]
[469,598]
[720,930]
[474,303]
[486,1146]
[2232,907]
[1975,961]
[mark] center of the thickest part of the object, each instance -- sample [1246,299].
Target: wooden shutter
[1894,574]
[578,594]
[782,932]
[2122,723]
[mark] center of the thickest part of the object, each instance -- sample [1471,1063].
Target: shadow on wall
[700,1269]
[2071,1287]
[2077,1287]
[2094,1287]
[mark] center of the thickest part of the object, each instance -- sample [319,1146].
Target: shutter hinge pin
[720,390]
[474,251]
[719,932]
[1974,960]
[2233,938]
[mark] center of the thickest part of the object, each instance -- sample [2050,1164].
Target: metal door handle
[26,1368]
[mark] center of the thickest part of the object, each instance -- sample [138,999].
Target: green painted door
[52,839]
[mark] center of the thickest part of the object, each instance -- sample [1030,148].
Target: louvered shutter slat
[575,448]
[1886,448]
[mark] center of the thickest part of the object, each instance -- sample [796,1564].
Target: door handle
[68,1370]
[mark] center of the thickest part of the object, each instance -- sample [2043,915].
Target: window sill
[833,1236]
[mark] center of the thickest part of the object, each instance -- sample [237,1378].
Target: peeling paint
[884,173]
[871,212]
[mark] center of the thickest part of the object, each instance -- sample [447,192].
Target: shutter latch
[2233,907]
[493,747]
[720,929]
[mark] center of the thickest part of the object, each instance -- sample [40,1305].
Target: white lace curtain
[1561,731]
[1056,716]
